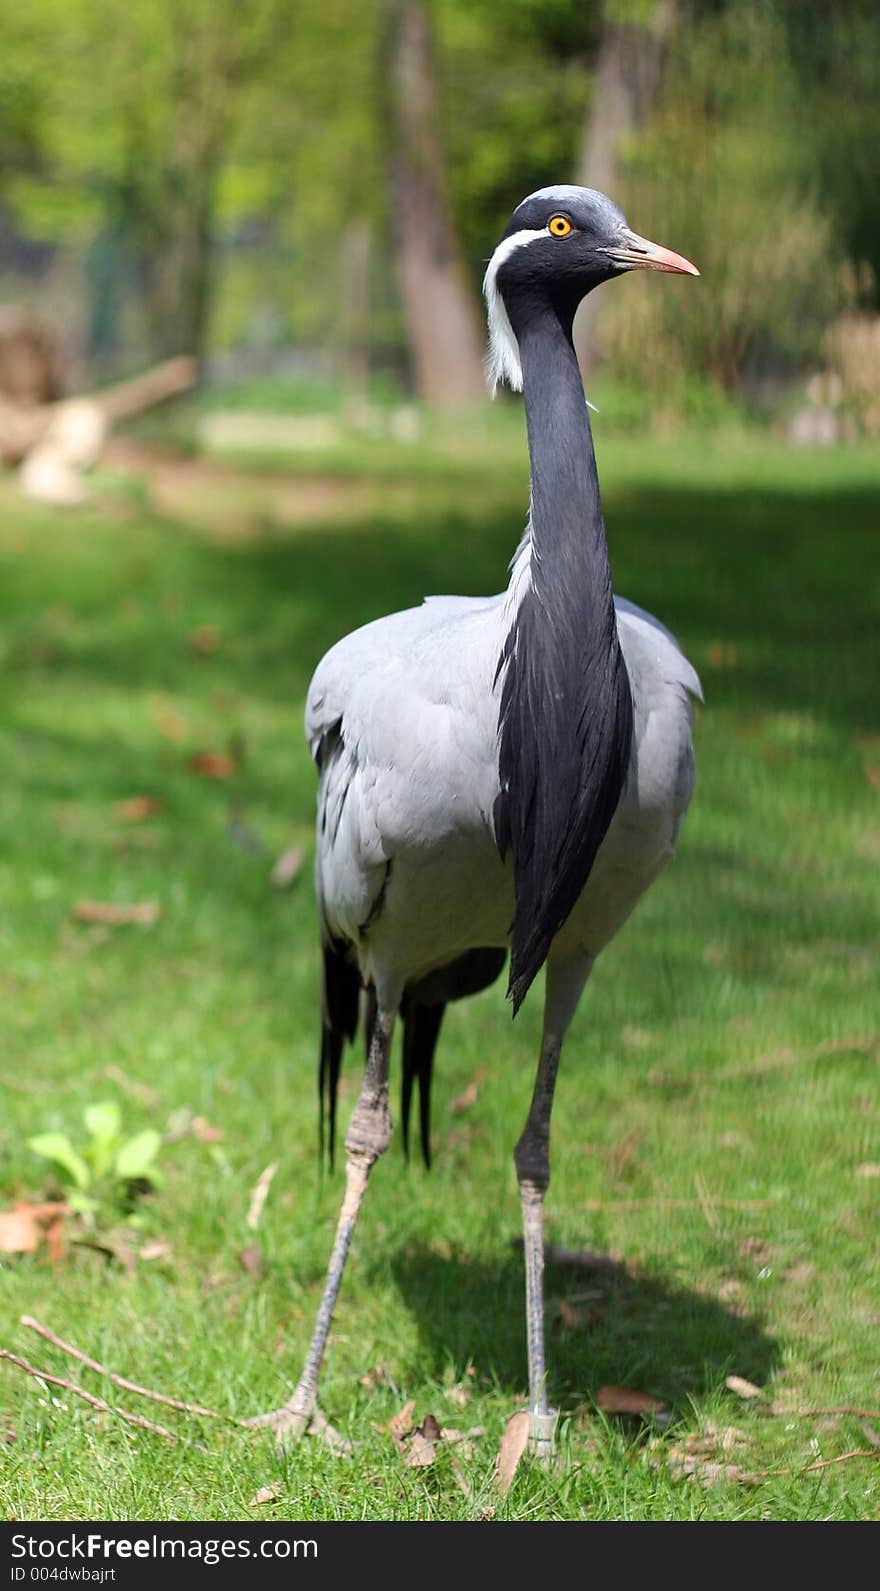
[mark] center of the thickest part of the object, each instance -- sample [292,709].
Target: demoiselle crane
[501,771]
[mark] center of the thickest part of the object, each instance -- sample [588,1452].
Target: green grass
[718,1094]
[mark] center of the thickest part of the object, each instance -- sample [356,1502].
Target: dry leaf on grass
[722,654]
[757,1249]
[621,1400]
[459,1394]
[580,1311]
[287,867]
[251,1259]
[462,1440]
[401,1423]
[168,722]
[708,1456]
[213,764]
[800,1271]
[19,1231]
[422,1447]
[154,1250]
[142,1092]
[707,1472]
[266,1494]
[26,1226]
[513,1444]
[136,809]
[419,1449]
[623,1151]
[205,1131]
[868,1169]
[468,1096]
[373,1378]
[743,1388]
[112,915]
[204,640]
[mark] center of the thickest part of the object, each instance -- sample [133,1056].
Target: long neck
[567,529]
[565,719]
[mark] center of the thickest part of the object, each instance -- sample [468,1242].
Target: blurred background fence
[303,195]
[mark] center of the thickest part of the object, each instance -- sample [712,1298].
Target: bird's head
[560,243]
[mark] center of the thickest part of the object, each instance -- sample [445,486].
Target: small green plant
[109,1169]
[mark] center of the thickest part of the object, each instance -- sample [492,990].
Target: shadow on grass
[756,571]
[638,1331]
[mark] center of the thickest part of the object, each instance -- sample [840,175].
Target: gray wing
[401,721]
[654,645]
[664,685]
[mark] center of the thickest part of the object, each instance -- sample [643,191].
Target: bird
[498,775]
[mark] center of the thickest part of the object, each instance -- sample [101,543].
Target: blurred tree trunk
[168,195]
[355,317]
[177,139]
[629,70]
[176,245]
[443,327]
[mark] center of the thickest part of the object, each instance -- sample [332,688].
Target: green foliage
[774,276]
[515,90]
[203,164]
[835,50]
[109,1169]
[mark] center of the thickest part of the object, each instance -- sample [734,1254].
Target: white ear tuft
[502,360]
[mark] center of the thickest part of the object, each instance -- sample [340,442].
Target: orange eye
[559,226]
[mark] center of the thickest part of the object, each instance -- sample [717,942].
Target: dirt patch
[234,504]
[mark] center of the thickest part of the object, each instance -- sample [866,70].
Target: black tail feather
[421,1028]
[339,1016]
[422,1011]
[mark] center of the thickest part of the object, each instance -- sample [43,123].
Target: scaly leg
[368,1137]
[565,981]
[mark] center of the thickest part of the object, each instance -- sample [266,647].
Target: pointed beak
[638,254]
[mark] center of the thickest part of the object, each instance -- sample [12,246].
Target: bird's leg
[532,1159]
[565,981]
[368,1136]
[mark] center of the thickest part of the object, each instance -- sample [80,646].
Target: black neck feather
[565,719]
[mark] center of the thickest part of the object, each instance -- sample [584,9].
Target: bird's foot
[295,1420]
[542,1436]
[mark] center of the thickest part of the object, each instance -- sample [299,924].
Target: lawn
[717,1125]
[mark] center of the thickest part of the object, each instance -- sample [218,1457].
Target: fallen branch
[260,1194]
[706,1202]
[100,1404]
[120,1381]
[842,1458]
[23,428]
[840,1409]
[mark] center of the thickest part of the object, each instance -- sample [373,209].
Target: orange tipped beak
[639,254]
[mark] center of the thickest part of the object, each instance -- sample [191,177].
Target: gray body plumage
[402,716]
